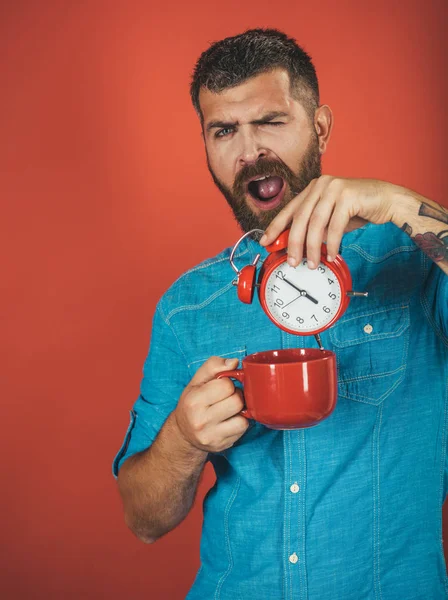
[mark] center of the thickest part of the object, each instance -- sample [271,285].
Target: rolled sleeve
[436,300]
[165,375]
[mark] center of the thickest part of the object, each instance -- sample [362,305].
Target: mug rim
[317,355]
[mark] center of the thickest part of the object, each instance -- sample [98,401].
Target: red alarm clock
[297,299]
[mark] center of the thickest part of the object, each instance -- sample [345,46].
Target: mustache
[262,167]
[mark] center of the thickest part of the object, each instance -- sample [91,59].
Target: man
[348,509]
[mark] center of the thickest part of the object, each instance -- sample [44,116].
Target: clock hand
[299,296]
[311,298]
[302,292]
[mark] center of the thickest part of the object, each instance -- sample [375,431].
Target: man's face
[258,130]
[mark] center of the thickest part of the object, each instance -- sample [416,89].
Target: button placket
[296,473]
[295,580]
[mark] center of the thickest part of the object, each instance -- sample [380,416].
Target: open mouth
[267,192]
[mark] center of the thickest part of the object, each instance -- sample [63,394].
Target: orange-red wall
[106,199]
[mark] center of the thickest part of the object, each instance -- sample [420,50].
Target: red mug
[288,389]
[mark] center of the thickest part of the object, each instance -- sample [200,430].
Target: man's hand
[207,414]
[326,209]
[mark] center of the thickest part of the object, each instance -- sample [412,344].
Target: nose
[251,149]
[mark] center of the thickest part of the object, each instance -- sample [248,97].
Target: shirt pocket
[371,350]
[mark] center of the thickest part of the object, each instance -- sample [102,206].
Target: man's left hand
[326,209]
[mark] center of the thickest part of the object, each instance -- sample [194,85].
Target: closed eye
[226,131]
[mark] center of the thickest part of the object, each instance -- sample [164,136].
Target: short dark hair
[233,60]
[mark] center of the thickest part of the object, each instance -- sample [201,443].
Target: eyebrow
[265,119]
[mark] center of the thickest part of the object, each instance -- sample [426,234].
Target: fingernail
[311,265]
[263,239]
[230,361]
[292,261]
[330,258]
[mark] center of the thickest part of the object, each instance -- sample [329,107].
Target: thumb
[211,368]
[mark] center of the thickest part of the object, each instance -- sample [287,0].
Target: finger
[278,224]
[232,428]
[212,367]
[318,222]
[336,228]
[227,408]
[284,217]
[296,239]
[214,391]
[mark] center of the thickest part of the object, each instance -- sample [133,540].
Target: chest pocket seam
[361,340]
[239,353]
[380,373]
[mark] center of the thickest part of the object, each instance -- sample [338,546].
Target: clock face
[301,299]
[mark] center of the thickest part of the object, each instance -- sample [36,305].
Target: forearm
[158,485]
[425,221]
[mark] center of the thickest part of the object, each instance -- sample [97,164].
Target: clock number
[314,317]
[332,296]
[279,302]
[300,320]
[280,274]
[330,281]
[304,262]
[278,289]
[326,309]
[285,314]
[321,269]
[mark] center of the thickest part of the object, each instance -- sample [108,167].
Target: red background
[106,199]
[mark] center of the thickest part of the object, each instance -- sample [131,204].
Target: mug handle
[237,374]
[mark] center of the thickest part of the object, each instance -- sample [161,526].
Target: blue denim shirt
[348,509]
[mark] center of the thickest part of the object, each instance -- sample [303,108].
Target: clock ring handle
[232,254]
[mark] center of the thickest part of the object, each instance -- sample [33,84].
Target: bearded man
[348,509]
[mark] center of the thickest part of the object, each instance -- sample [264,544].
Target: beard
[309,169]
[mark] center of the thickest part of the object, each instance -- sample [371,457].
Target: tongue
[269,187]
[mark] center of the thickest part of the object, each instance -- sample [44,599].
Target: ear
[323,124]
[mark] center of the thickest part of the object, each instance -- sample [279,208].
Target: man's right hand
[207,414]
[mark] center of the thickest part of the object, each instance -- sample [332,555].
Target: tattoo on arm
[433,213]
[407,229]
[434,245]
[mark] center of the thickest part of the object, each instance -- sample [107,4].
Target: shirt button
[294,488]
[293,558]
[368,328]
